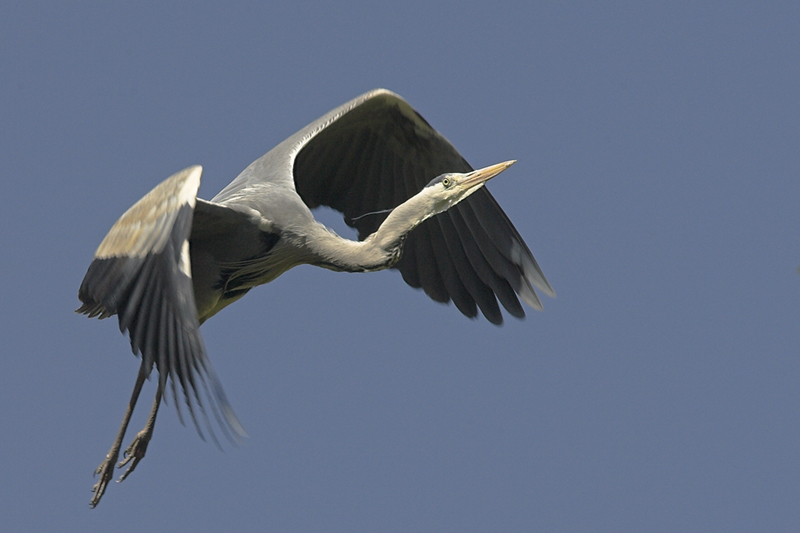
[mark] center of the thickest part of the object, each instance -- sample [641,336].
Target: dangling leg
[135,452]
[106,468]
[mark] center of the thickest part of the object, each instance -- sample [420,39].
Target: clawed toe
[106,471]
[134,453]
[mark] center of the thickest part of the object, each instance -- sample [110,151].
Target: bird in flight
[172,261]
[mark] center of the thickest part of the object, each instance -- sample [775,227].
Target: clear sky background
[658,185]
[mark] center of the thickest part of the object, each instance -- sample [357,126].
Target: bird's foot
[135,452]
[106,471]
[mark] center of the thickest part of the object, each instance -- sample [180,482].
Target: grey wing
[142,273]
[376,153]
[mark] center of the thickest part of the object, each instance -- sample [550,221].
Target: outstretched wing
[375,152]
[142,273]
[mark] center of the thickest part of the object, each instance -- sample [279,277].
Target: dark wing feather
[142,273]
[379,154]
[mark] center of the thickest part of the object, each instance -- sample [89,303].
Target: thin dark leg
[135,452]
[106,468]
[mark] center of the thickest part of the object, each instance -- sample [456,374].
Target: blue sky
[657,185]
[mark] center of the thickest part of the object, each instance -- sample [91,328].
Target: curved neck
[379,251]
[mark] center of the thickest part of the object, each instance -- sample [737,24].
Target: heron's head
[447,190]
[442,193]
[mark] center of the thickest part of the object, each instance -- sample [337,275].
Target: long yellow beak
[482,175]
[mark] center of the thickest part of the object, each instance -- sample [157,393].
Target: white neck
[380,250]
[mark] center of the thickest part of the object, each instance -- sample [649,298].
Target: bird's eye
[447,182]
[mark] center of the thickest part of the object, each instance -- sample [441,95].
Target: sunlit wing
[142,273]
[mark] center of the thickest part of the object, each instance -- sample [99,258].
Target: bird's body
[173,260]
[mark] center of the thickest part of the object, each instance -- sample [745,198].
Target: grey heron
[173,261]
